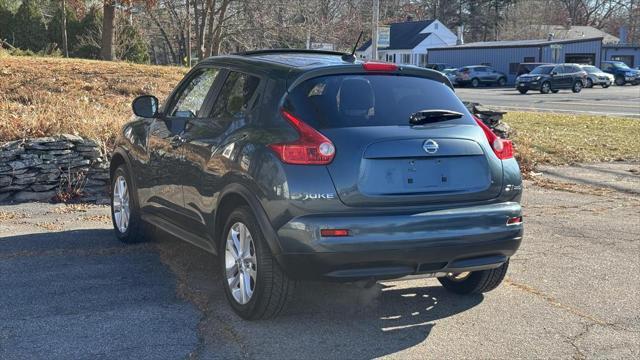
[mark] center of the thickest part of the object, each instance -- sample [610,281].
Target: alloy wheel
[121,207]
[546,87]
[241,263]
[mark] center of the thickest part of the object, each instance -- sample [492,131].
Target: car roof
[289,58]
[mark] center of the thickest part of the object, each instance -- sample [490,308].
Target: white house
[410,41]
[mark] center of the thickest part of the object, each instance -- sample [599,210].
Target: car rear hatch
[383,160]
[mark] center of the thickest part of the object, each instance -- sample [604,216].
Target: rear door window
[370,100]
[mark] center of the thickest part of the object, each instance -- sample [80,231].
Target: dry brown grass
[47,96]
[557,139]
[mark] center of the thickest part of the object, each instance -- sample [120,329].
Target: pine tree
[29,29]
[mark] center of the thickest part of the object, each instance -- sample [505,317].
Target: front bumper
[528,85]
[394,246]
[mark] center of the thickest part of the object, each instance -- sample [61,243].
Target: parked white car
[595,76]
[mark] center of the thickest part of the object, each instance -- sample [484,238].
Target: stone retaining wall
[50,168]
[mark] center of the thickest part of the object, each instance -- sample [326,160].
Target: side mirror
[145,106]
[554,73]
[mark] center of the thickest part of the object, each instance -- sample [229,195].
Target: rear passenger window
[369,100]
[237,96]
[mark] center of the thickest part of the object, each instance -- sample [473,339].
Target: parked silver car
[480,74]
[451,74]
[595,76]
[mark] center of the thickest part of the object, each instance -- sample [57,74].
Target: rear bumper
[394,246]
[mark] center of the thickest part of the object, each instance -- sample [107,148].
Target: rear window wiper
[430,116]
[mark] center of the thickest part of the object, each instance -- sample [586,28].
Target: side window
[236,97]
[557,69]
[189,102]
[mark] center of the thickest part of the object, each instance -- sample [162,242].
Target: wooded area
[161,31]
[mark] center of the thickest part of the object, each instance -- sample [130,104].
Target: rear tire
[476,282]
[502,81]
[577,87]
[272,289]
[475,83]
[125,211]
[523,91]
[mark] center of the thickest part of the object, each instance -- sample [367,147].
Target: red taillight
[379,66]
[502,148]
[514,220]
[311,148]
[334,232]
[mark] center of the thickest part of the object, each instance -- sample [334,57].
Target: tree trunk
[106,51]
[65,45]
[188,42]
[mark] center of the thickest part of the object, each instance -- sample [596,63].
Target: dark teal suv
[294,165]
[622,72]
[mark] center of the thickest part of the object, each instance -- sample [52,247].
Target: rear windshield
[369,100]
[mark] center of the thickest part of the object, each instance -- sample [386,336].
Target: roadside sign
[384,36]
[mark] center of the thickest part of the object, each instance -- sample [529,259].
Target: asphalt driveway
[70,290]
[613,101]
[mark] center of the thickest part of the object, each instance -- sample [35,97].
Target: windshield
[621,65]
[542,70]
[337,101]
[591,69]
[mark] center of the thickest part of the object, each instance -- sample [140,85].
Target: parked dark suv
[480,74]
[552,78]
[622,73]
[311,165]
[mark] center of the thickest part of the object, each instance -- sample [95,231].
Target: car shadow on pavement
[84,294]
[327,320]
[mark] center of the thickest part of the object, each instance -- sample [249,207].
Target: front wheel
[502,81]
[125,213]
[589,83]
[545,88]
[475,83]
[577,87]
[475,282]
[255,285]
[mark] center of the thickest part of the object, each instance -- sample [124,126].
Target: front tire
[255,285]
[475,83]
[545,88]
[502,82]
[475,282]
[125,212]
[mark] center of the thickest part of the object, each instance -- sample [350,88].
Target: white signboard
[322,46]
[556,46]
[384,36]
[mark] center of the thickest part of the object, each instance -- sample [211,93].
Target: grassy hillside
[45,96]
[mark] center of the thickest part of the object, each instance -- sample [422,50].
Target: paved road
[70,290]
[615,100]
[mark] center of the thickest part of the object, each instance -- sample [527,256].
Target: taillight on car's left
[311,147]
[501,147]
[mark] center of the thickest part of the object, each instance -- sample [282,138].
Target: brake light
[501,147]
[334,232]
[311,148]
[514,220]
[379,66]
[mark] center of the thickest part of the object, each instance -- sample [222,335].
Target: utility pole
[188,34]
[65,46]
[374,29]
